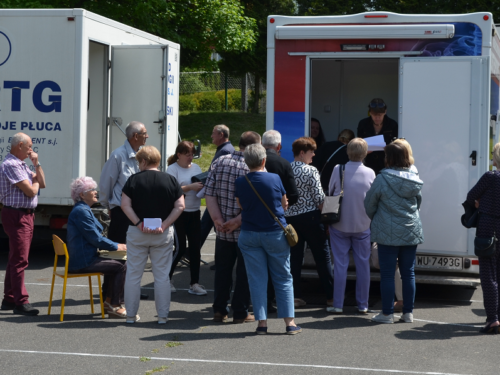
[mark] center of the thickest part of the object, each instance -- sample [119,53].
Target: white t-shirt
[183,176]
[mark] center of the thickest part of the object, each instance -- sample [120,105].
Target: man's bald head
[248,138]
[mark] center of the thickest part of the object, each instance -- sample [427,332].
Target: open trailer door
[139,80]
[446,122]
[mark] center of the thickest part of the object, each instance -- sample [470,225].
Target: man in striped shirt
[18,193]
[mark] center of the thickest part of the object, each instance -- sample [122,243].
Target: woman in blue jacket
[392,204]
[84,239]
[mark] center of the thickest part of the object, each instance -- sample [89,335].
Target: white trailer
[72,80]
[438,74]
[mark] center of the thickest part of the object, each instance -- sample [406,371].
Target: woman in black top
[378,123]
[150,194]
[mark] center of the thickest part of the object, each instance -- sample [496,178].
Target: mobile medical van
[439,76]
[72,80]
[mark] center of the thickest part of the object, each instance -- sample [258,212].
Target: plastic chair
[61,250]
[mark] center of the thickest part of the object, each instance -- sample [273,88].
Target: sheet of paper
[375,143]
[201,193]
[152,223]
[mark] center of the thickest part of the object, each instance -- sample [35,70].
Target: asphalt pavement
[443,339]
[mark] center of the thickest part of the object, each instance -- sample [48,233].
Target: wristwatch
[38,165]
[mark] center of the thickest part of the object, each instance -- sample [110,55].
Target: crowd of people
[252,194]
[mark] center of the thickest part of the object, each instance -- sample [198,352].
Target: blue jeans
[388,257]
[263,251]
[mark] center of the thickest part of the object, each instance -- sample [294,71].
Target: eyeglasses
[377,104]
[144,134]
[86,191]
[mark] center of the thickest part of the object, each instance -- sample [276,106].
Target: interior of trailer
[341,90]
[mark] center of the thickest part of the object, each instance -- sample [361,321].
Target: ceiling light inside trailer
[430,31]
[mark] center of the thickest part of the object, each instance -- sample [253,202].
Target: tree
[199,26]
[254,61]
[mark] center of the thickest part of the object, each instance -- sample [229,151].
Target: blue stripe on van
[291,127]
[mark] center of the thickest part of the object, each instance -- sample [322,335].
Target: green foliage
[207,101]
[336,7]
[233,99]
[172,344]
[252,99]
[199,125]
[198,25]
[190,83]
[187,103]
[144,359]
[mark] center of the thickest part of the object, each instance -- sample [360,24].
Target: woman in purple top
[485,195]
[353,229]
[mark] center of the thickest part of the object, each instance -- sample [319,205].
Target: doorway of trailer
[341,90]
[441,105]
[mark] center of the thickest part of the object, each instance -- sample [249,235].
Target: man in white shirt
[119,167]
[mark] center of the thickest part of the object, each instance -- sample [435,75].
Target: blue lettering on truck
[54,104]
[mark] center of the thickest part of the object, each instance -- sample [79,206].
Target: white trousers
[159,247]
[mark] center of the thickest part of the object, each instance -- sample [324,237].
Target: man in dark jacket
[377,124]
[271,140]
[331,154]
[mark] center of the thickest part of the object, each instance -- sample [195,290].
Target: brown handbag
[290,233]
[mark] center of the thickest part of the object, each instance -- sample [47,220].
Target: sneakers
[291,330]
[406,318]
[261,331]
[7,305]
[381,318]
[132,319]
[162,320]
[334,310]
[197,289]
[25,309]
[172,288]
[362,311]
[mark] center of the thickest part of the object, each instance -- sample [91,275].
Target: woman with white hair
[84,238]
[353,229]
[262,240]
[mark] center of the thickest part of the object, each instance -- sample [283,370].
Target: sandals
[298,302]
[113,311]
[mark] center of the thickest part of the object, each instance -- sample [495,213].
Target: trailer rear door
[443,107]
[139,76]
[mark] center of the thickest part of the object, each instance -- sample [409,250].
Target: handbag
[202,177]
[290,233]
[330,213]
[117,255]
[485,247]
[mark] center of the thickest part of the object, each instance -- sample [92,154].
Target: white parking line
[444,323]
[233,362]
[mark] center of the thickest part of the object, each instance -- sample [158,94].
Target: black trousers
[309,229]
[226,254]
[188,225]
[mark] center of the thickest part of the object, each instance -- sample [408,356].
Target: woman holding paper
[152,201]
[182,168]
[378,123]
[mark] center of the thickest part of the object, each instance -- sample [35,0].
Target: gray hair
[18,138]
[254,154]
[132,128]
[357,149]
[222,129]
[271,138]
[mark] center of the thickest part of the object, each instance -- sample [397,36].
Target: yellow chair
[61,250]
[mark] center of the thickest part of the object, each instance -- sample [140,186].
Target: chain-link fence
[198,82]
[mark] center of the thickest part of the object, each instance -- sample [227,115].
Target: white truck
[438,74]
[72,80]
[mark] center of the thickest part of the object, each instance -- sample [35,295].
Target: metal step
[419,279]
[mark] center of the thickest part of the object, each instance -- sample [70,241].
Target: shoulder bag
[330,213]
[290,233]
[485,247]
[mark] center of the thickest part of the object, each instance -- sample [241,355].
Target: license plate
[449,263]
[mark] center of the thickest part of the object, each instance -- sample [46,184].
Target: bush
[187,103]
[233,99]
[207,101]
[190,83]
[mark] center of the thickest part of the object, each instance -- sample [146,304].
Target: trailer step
[419,279]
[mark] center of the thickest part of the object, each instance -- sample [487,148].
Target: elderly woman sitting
[84,239]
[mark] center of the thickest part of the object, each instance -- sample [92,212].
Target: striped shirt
[12,171]
[220,183]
